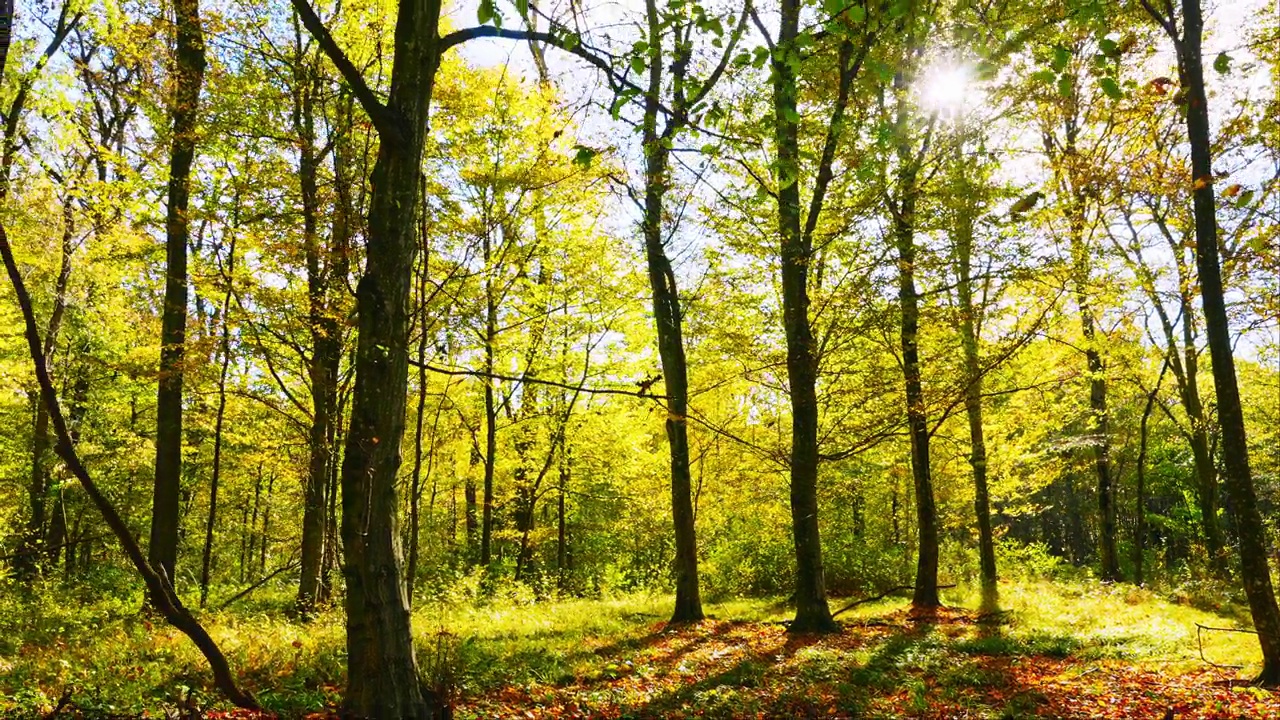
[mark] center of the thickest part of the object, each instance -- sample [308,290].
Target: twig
[535,381]
[882,596]
[258,584]
[1200,643]
[63,702]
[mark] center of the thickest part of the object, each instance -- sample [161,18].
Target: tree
[667,312]
[158,585]
[795,235]
[189,65]
[1237,477]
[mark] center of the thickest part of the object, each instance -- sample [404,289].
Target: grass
[1054,646]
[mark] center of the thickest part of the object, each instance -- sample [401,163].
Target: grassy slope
[1061,650]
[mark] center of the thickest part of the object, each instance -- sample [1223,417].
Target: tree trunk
[562,577]
[969,341]
[27,559]
[383,679]
[1101,441]
[1201,452]
[326,335]
[1237,476]
[812,611]
[490,407]
[188,77]
[904,217]
[224,350]
[1140,504]
[668,320]
[415,482]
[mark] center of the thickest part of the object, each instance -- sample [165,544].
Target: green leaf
[760,58]
[1061,56]
[857,14]
[637,64]
[1109,47]
[583,156]
[1244,198]
[1044,76]
[1222,63]
[1066,85]
[522,7]
[790,115]
[1111,88]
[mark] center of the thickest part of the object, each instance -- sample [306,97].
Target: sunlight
[947,88]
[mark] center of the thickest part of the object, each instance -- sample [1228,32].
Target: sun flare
[948,88]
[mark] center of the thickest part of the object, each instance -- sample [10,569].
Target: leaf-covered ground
[1056,650]
[952,665]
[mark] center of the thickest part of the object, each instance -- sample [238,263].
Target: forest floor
[1056,650]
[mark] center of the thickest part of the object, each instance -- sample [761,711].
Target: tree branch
[378,112]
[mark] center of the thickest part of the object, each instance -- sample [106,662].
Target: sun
[947,88]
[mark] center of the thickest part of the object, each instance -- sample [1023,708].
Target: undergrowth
[115,660]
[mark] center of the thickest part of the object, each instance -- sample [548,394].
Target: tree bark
[812,612]
[668,322]
[323,269]
[969,341]
[183,113]
[415,482]
[383,680]
[925,594]
[1237,476]
[224,350]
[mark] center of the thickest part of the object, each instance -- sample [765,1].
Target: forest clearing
[1063,649]
[425,359]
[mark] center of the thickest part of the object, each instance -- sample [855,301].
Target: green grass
[609,650]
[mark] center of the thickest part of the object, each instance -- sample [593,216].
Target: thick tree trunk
[188,77]
[1237,476]
[812,611]
[383,680]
